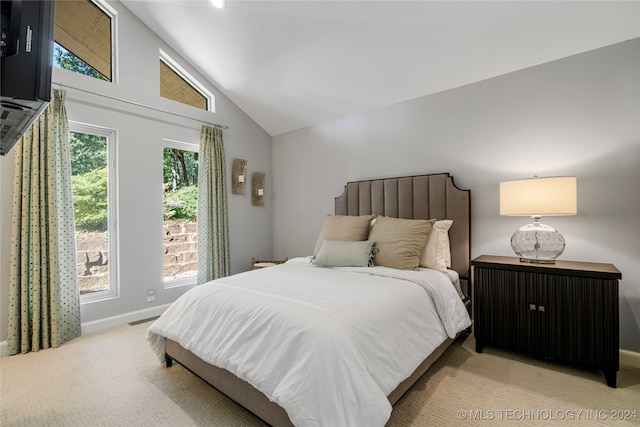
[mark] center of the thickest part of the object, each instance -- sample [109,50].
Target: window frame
[113,14]
[112,202]
[186,146]
[193,82]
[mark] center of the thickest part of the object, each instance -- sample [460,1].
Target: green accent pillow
[336,253]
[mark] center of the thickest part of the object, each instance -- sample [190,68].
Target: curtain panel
[44,300]
[213,217]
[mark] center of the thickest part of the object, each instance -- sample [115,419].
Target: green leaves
[88,152]
[90,200]
[181,204]
[89,180]
[67,60]
[180,184]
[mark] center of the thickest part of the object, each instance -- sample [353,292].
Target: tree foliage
[180,168]
[90,200]
[181,204]
[69,61]
[180,184]
[88,152]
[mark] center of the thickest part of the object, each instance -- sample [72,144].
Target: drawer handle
[541,308]
[532,307]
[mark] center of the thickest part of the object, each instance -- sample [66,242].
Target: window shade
[85,30]
[173,86]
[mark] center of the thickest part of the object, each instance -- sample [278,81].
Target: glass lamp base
[537,243]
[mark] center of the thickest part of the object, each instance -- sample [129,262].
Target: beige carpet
[111,378]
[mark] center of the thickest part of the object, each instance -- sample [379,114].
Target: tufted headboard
[417,197]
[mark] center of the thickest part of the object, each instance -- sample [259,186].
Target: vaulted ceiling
[293,64]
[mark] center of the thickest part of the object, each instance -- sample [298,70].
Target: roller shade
[85,30]
[173,86]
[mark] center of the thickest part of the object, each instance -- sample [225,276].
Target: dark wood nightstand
[567,311]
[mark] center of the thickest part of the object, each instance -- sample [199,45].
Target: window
[84,37]
[176,84]
[93,181]
[180,237]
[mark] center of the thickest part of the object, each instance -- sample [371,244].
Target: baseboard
[121,319]
[109,322]
[630,358]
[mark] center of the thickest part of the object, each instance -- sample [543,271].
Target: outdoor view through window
[180,243]
[90,182]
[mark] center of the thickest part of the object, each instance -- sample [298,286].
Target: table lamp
[537,197]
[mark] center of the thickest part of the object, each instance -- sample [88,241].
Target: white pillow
[437,252]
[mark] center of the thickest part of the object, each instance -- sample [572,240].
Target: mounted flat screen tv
[26,60]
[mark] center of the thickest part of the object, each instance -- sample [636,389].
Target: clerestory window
[178,85]
[84,33]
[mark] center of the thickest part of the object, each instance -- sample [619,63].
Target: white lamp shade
[539,197]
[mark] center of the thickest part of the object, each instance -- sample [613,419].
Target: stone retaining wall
[180,245]
[92,255]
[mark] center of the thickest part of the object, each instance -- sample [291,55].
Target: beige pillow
[437,251]
[344,228]
[400,241]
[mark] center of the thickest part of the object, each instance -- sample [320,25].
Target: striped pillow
[335,253]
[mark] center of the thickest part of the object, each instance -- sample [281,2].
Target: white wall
[576,116]
[139,161]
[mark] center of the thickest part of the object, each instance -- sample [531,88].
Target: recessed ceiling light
[218,3]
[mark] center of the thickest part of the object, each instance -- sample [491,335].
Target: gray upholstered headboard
[417,197]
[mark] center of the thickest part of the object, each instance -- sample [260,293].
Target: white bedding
[326,344]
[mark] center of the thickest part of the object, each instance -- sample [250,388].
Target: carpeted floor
[111,378]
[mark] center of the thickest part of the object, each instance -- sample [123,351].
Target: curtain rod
[141,105]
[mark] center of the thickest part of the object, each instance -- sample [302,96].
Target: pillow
[334,253]
[400,241]
[447,249]
[437,250]
[343,228]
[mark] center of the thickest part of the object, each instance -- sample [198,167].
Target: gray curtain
[213,217]
[44,300]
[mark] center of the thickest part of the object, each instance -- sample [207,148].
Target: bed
[305,344]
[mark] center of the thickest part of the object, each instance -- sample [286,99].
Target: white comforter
[326,344]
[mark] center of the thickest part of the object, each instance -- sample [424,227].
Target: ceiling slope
[294,64]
